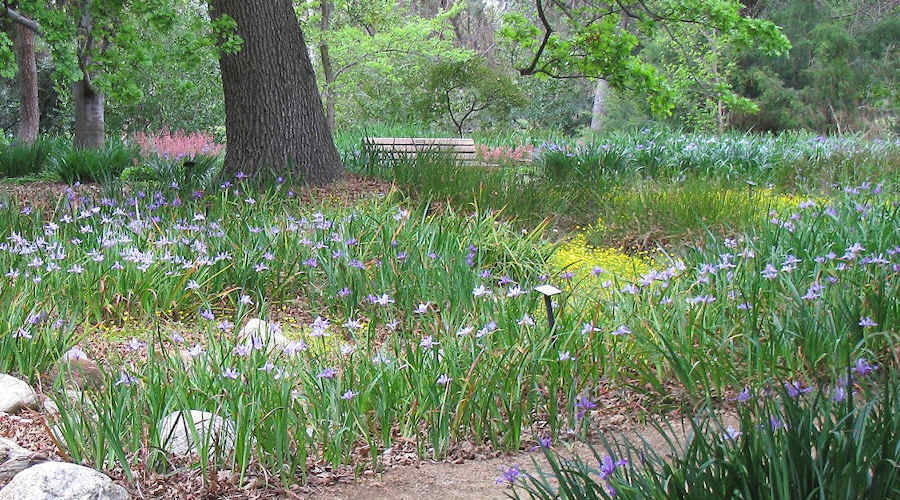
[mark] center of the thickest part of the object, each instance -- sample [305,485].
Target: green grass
[651,187]
[835,441]
[434,336]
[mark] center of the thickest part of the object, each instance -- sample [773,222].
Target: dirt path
[474,479]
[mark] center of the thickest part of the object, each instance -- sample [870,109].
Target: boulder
[16,394]
[177,436]
[62,481]
[15,459]
[12,466]
[10,449]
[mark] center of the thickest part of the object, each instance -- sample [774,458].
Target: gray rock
[17,464]
[50,407]
[14,459]
[62,481]
[16,394]
[177,434]
[10,449]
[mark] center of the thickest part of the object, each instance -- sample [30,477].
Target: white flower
[353,324]
[293,348]
[74,353]
[621,330]
[526,321]
[384,300]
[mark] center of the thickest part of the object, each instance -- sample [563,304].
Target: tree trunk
[598,111]
[90,128]
[327,69]
[29,112]
[273,111]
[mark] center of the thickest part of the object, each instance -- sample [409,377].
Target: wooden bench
[409,148]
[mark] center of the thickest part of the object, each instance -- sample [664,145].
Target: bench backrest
[401,148]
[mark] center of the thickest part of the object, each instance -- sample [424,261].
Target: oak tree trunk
[90,128]
[273,110]
[29,112]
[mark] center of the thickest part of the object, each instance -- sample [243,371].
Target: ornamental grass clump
[17,160]
[191,161]
[177,145]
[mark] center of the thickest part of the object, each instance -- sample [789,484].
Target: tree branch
[548,30]
[24,21]
[450,111]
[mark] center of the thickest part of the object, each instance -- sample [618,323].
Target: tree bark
[90,128]
[273,110]
[327,69]
[598,111]
[29,112]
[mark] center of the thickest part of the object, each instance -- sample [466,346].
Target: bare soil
[479,479]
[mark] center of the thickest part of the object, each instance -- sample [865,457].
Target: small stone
[50,407]
[16,395]
[254,483]
[78,372]
[62,481]
[177,437]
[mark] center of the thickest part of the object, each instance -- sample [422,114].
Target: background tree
[603,39]
[171,79]
[465,90]
[24,30]
[378,55]
[840,74]
[273,111]
[29,112]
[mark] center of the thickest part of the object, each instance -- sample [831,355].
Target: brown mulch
[43,195]
[28,429]
[347,190]
[46,195]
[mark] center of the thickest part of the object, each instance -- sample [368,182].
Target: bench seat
[409,148]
